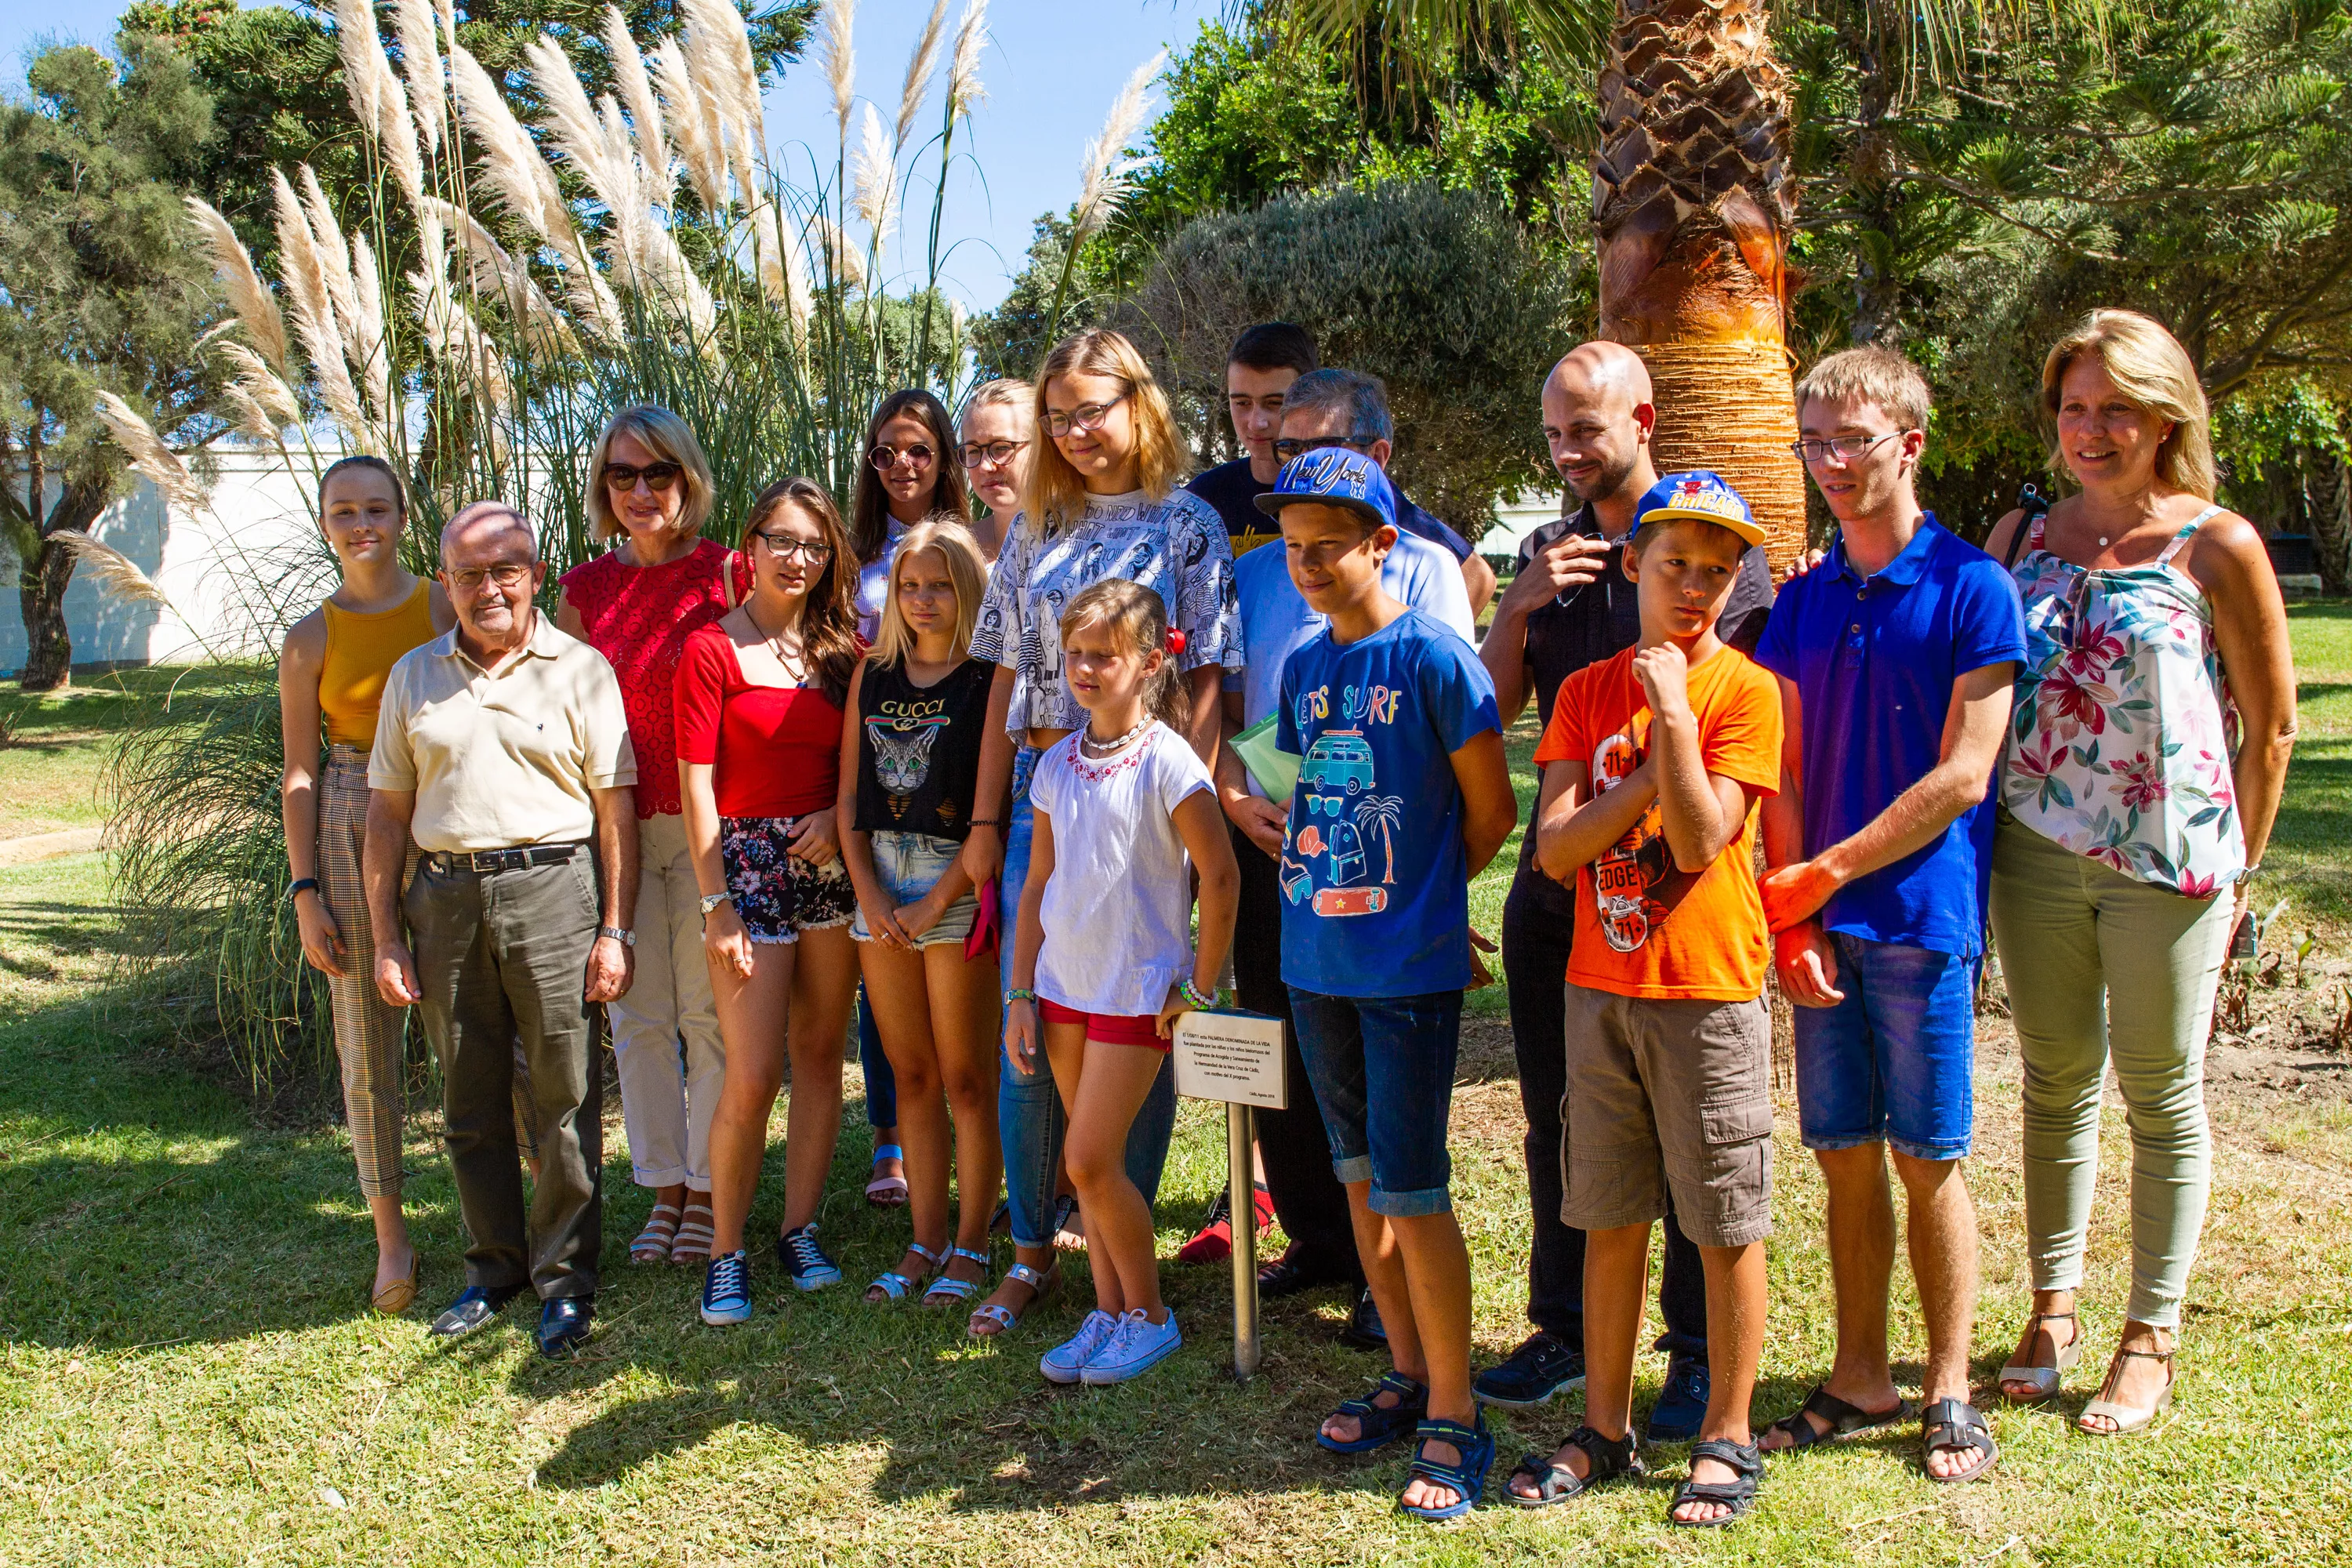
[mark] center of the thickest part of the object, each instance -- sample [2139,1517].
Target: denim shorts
[1382,1071]
[1895,1061]
[778,894]
[909,865]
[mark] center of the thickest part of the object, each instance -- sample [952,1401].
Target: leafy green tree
[101,291]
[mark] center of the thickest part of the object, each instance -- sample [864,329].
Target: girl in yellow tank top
[330,680]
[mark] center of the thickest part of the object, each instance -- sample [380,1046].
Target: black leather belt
[443,863]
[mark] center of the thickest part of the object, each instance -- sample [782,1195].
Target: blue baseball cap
[1335,476]
[1701,494]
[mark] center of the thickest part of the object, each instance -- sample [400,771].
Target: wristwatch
[626,938]
[712,900]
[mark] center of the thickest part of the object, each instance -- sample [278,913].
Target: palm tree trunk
[1693,202]
[2331,521]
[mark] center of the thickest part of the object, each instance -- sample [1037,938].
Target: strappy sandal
[1846,1422]
[1042,1282]
[2129,1418]
[1606,1459]
[1736,1495]
[1467,1475]
[887,1191]
[1377,1425]
[694,1233]
[893,1285]
[947,1290]
[2043,1379]
[1954,1426]
[652,1245]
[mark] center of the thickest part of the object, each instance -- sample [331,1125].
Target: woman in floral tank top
[2153,721]
[638,604]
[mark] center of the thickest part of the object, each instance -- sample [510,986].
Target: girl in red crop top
[759,707]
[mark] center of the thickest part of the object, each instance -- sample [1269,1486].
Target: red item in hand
[985,924]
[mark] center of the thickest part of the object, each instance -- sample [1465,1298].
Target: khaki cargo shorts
[1666,1094]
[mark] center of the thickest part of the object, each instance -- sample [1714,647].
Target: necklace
[1105,748]
[776,645]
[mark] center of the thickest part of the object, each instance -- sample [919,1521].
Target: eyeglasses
[972,453]
[886,457]
[506,574]
[1086,416]
[1844,449]
[786,547]
[658,476]
[1288,449]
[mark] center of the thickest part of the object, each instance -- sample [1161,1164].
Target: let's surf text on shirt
[1377,706]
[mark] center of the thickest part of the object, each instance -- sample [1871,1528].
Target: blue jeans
[1893,1062]
[1028,1108]
[1382,1067]
[881,1083]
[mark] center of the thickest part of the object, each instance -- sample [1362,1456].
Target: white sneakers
[1108,1350]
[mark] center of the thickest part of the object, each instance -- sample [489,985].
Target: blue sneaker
[727,1290]
[1139,1345]
[811,1269]
[1680,1408]
[1065,1361]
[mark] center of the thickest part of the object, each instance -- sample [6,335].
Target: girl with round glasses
[999,433]
[649,493]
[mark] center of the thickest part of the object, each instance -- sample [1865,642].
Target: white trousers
[665,1030]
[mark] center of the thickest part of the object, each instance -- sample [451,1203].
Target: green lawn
[2306,859]
[189,1374]
[53,747]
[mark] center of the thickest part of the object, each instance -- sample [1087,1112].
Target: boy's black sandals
[1845,1422]
[1955,1426]
[1735,1495]
[1606,1459]
[1377,1425]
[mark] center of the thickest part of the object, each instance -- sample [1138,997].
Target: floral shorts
[778,894]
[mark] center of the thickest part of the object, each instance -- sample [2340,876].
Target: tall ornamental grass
[501,288]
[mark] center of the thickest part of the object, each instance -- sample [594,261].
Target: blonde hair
[2156,375]
[671,440]
[1057,493]
[954,545]
[1870,376]
[1134,614]
[1007,392]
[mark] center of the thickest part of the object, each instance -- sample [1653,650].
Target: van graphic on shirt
[1635,884]
[1347,820]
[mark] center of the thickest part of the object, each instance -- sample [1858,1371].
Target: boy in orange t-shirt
[1653,764]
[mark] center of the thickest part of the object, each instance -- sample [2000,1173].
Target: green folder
[1275,770]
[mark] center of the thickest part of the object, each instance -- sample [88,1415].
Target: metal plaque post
[1243,1188]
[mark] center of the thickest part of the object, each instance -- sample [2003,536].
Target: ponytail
[1135,614]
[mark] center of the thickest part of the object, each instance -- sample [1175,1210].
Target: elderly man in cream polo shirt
[502,750]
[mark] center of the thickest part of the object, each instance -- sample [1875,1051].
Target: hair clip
[1175,641]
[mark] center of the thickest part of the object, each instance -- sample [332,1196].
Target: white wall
[1515,520]
[227,569]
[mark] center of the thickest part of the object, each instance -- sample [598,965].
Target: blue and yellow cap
[1701,494]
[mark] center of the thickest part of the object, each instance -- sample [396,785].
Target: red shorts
[1110,1028]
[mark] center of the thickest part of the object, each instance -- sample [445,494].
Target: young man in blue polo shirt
[1895,656]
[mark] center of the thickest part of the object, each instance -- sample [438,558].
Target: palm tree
[1387,813]
[1693,199]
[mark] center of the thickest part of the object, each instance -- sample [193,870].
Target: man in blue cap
[1402,796]
[1275,622]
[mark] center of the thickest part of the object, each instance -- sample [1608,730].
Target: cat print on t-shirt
[902,733]
[1635,880]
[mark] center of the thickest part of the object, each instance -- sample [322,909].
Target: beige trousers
[665,1030]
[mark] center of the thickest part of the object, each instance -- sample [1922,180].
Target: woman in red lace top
[638,604]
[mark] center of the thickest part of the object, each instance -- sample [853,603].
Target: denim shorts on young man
[1669,1095]
[909,865]
[1382,1072]
[1895,1060]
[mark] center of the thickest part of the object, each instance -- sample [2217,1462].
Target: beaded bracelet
[1194,997]
[1021,993]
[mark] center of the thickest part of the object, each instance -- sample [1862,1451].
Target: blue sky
[1051,71]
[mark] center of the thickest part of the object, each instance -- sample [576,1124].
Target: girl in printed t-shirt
[909,760]
[760,696]
[1124,808]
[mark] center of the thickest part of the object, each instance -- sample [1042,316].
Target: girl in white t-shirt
[1101,965]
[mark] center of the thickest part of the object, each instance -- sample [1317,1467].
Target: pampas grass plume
[964,91]
[412,25]
[875,168]
[147,453]
[694,122]
[924,55]
[838,56]
[111,572]
[637,90]
[361,48]
[1109,172]
[256,306]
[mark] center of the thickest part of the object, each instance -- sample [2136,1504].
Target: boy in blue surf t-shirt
[1402,796]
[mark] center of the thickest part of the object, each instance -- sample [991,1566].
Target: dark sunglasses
[658,476]
[886,457]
